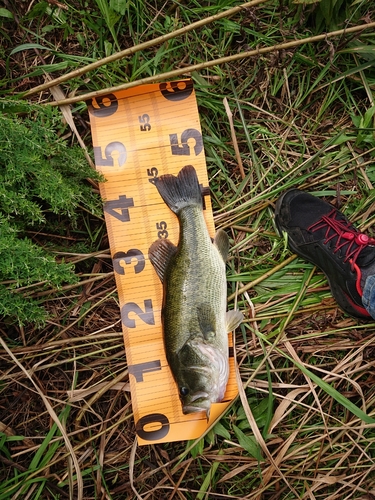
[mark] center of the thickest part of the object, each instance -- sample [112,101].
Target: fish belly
[195,280]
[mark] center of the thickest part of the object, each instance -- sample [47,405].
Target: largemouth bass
[194,317]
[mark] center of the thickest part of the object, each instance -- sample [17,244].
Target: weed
[41,179]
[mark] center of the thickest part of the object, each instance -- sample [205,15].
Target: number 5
[145,119]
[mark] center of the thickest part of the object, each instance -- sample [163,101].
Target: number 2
[147,316]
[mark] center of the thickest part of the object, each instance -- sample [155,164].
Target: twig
[214,62]
[98,394]
[274,464]
[142,46]
[131,468]
[234,137]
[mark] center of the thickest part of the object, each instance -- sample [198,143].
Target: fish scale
[199,272]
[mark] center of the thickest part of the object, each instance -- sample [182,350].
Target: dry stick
[142,46]
[234,137]
[274,462]
[255,429]
[80,283]
[67,113]
[70,340]
[98,394]
[208,64]
[131,468]
[76,395]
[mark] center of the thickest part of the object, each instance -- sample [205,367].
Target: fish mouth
[198,402]
[195,409]
[199,395]
[192,409]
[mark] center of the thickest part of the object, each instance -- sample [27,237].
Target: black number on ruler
[145,123]
[176,91]
[123,203]
[205,190]
[154,418]
[147,316]
[140,369]
[153,173]
[184,148]
[108,161]
[103,106]
[162,226]
[119,257]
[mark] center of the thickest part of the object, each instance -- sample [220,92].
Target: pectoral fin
[160,254]
[221,242]
[207,321]
[233,319]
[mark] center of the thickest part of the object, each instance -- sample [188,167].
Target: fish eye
[184,391]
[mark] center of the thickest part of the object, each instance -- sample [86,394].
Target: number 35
[162,226]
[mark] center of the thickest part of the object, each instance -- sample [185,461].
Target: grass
[303,426]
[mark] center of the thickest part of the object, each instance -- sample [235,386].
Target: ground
[302,117]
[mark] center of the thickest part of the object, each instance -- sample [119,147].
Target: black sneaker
[321,234]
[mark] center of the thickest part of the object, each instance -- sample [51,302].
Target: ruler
[139,134]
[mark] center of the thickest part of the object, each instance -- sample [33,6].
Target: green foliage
[111,17]
[365,128]
[41,458]
[41,177]
[330,15]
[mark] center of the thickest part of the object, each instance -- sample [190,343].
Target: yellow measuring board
[139,134]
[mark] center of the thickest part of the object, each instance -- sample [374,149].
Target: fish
[194,318]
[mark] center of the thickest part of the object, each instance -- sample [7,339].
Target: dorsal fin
[221,242]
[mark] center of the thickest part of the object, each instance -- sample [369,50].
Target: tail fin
[181,191]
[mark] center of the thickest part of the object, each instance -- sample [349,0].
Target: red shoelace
[346,235]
